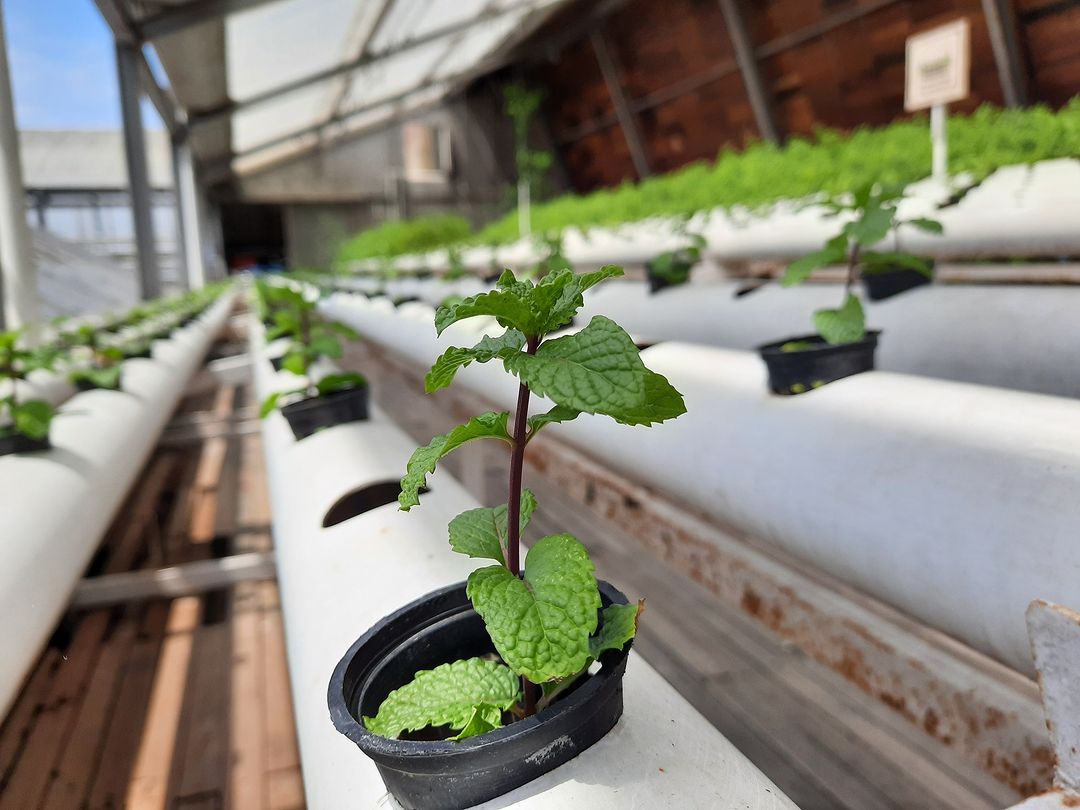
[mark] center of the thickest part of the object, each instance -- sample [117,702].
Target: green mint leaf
[660,403]
[269,404]
[618,624]
[560,413]
[344,330]
[454,358]
[596,370]
[560,294]
[927,225]
[340,382]
[325,346]
[541,624]
[424,459]
[32,418]
[295,362]
[108,378]
[844,325]
[446,696]
[484,718]
[799,270]
[870,228]
[508,307]
[481,533]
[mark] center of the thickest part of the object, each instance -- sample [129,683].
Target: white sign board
[938,66]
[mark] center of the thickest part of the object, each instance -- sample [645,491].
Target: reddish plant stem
[513,506]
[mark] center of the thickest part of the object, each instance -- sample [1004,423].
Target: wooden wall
[838,63]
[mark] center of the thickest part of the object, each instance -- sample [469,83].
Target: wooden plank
[149,783]
[281,747]
[52,728]
[203,759]
[121,742]
[285,789]
[19,722]
[75,771]
[247,786]
[129,532]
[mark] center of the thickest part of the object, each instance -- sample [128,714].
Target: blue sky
[63,73]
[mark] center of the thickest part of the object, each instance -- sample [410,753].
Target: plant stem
[517,460]
[513,506]
[852,269]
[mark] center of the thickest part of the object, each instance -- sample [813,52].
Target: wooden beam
[627,121]
[1001,25]
[748,67]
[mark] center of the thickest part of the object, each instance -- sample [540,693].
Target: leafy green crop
[828,162]
[872,216]
[311,337]
[405,236]
[544,618]
[32,417]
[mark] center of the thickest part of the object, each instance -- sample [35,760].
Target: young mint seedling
[311,338]
[873,217]
[31,417]
[544,618]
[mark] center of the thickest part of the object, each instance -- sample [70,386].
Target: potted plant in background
[672,267]
[482,686]
[24,423]
[322,401]
[842,345]
[97,365]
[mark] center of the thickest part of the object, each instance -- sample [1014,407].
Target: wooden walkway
[181,704]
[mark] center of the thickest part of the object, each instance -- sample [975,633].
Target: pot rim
[772,349]
[377,746]
[310,403]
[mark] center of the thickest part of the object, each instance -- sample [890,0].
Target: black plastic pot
[443,775]
[796,372]
[84,384]
[316,413]
[17,443]
[659,282]
[405,299]
[888,283]
[277,361]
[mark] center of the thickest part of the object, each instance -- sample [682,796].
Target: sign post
[938,71]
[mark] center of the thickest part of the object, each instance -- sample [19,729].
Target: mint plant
[673,267]
[311,337]
[31,417]
[99,364]
[872,211]
[543,617]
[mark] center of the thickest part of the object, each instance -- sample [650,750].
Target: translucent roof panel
[279,116]
[409,19]
[479,43]
[394,75]
[279,42]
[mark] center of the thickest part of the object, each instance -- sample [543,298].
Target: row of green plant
[829,163]
[90,354]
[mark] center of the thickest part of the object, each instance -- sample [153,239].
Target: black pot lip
[311,403]
[375,745]
[773,349]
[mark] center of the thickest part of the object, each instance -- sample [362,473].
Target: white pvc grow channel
[954,503]
[336,582]
[57,504]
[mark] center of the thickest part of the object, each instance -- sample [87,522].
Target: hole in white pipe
[363,499]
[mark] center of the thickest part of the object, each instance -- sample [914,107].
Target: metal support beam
[622,109]
[191,14]
[225,110]
[127,68]
[18,292]
[170,583]
[1001,25]
[748,67]
[187,209]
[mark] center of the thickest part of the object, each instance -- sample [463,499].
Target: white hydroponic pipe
[339,581]
[955,503]
[1011,336]
[56,505]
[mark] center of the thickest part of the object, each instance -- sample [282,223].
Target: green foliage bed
[762,173]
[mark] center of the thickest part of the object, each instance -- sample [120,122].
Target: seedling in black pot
[24,423]
[99,364]
[672,268]
[324,401]
[481,687]
[842,345]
